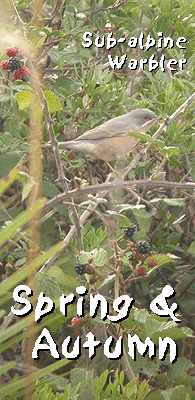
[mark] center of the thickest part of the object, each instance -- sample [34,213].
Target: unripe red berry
[75,321]
[11,51]
[17,74]
[152,263]
[141,270]
[25,71]
[4,64]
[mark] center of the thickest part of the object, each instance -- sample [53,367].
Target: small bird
[109,141]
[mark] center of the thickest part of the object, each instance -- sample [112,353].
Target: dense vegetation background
[68,90]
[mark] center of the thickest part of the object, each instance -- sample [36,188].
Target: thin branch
[142,183]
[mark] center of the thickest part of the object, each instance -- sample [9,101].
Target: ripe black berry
[142,374]
[129,232]
[87,304]
[14,63]
[80,268]
[164,367]
[144,247]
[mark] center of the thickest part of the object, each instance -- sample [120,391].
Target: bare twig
[142,183]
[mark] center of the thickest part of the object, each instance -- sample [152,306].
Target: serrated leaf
[99,256]
[141,315]
[123,221]
[53,104]
[49,287]
[182,365]
[25,99]
[62,278]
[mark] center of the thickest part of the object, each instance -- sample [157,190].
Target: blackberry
[164,367]
[129,232]
[80,268]
[14,63]
[144,247]
[131,258]
[142,374]
[87,304]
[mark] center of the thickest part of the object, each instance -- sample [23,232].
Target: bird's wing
[118,126]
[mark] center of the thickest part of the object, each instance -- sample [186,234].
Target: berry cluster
[142,374]
[129,232]
[152,263]
[15,64]
[144,247]
[87,304]
[75,321]
[141,270]
[139,252]
[80,268]
[163,367]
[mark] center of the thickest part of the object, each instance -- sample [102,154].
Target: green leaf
[191,249]
[123,221]
[22,274]
[27,189]
[146,138]
[171,202]
[5,368]
[100,382]
[68,84]
[5,97]
[53,104]
[182,365]
[25,99]
[180,392]
[143,218]
[14,386]
[62,278]
[170,151]
[165,6]
[5,184]
[180,29]
[99,256]
[8,162]
[18,222]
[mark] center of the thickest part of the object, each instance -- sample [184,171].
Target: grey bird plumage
[109,141]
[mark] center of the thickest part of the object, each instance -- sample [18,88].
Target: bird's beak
[148,124]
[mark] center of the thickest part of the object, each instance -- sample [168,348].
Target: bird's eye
[145,118]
